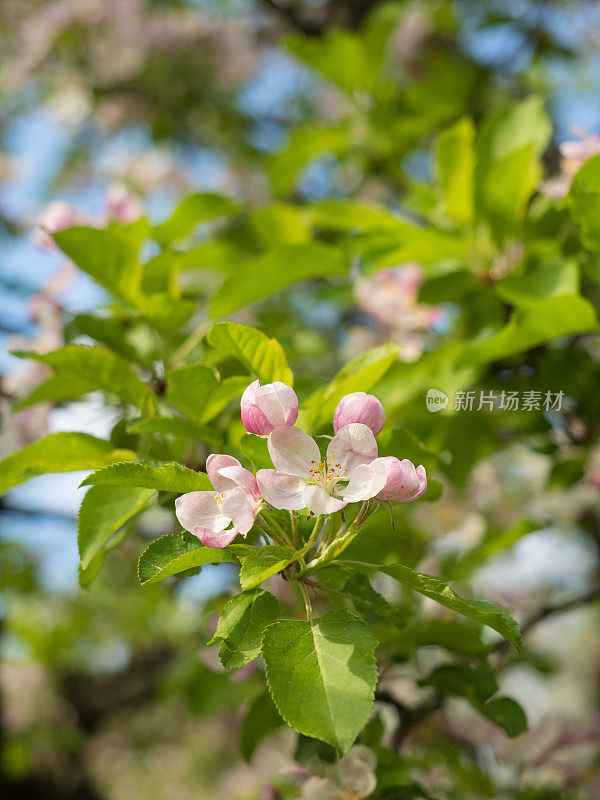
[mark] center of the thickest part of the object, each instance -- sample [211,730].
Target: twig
[548,611]
[408,718]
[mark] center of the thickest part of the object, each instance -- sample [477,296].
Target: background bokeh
[107,693]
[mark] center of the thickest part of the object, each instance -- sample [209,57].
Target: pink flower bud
[359,407]
[404,482]
[267,407]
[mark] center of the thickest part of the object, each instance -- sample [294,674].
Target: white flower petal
[281,490]
[320,789]
[237,506]
[352,445]
[356,771]
[320,502]
[293,451]
[366,481]
[241,477]
[200,510]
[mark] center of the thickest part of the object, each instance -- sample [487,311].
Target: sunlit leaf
[241,625]
[164,476]
[178,552]
[103,511]
[361,374]
[334,675]
[271,273]
[80,369]
[261,355]
[58,452]
[191,211]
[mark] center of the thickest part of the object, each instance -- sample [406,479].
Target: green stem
[262,524]
[315,531]
[281,532]
[307,605]
[329,532]
[295,537]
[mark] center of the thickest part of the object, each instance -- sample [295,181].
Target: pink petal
[366,481]
[281,490]
[352,445]
[241,477]
[249,395]
[359,407]
[217,462]
[254,420]
[293,451]
[200,510]
[278,402]
[216,540]
[320,502]
[239,509]
[404,482]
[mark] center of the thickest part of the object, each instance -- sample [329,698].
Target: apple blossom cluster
[351,471]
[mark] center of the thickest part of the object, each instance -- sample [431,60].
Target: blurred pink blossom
[58,216]
[390,299]
[122,205]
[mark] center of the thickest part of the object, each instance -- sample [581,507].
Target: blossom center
[327,473]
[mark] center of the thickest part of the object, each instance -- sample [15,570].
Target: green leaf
[507,169]
[348,215]
[261,720]
[58,452]
[305,143]
[339,55]
[110,256]
[281,224]
[88,575]
[103,510]
[168,314]
[114,333]
[478,684]
[534,324]
[190,212]
[261,563]
[271,273]
[80,369]
[263,356]
[402,443]
[241,625]
[360,374]
[222,395]
[507,714]
[584,202]
[475,683]
[546,280]
[164,476]
[479,610]
[178,552]
[189,387]
[322,675]
[367,601]
[453,635]
[455,165]
[170,426]
[257,450]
